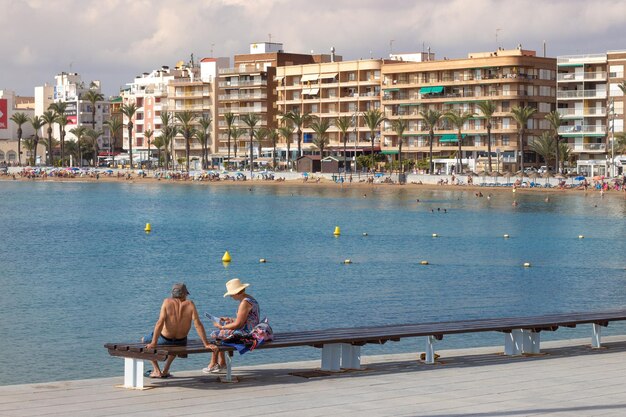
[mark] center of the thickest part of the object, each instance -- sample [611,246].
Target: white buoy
[424,263]
[526,264]
[435,235]
[506,236]
[581,237]
[364,234]
[347,261]
[262,260]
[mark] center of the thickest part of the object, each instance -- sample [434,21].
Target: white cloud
[114,40]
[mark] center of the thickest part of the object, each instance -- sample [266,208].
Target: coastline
[414,183]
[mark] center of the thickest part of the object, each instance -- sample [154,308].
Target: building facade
[508,78]
[9,105]
[592,107]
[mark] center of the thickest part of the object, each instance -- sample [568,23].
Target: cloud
[115,40]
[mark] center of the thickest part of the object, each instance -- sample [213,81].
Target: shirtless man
[173,325]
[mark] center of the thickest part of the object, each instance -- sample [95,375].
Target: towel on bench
[246,342]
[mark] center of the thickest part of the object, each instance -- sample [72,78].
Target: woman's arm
[242,315]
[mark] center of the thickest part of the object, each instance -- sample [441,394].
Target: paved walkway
[567,379]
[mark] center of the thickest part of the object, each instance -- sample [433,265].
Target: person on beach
[173,325]
[248,316]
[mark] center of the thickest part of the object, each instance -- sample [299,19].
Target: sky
[115,40]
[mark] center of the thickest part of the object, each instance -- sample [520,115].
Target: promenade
[567,379]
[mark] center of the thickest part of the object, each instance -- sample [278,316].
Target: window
[616,71]
[505,140]
[505,123]
[506,105]
[544,107]
[614,90]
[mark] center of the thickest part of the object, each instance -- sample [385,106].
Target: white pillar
[331,357]
[133,373]
[513,342]
[229,362]
[596,342]
[530,341]
[350,356]
[430,350]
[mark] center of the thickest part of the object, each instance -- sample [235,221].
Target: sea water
[77,269]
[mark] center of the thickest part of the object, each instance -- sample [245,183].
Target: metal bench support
[430,350]
[331,357]
[350,356]
[596,341]
[133,373]
[513,342]
[531,342]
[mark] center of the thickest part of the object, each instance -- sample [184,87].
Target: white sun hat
[234,286]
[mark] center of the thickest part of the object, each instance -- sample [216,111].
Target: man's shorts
[165,341]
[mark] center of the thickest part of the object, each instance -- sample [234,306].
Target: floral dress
[251,322]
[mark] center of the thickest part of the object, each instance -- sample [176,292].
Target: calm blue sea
[77,269]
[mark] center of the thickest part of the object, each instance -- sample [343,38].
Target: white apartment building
[592,106]
[9,105]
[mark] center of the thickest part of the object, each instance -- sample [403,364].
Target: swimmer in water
[514,204]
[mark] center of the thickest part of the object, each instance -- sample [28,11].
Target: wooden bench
[341,347]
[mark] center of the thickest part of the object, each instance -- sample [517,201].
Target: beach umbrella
[579,178]
[547,176]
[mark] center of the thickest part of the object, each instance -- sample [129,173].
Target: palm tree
[115,125]
[19,119]
[186,119]
[94,135]
[92,96]
[261,136]
[236,133]
[59,109]
[344,123]
[373,120]
[203,136]
[545,146]
[431,120]
[300,121]
[37,122]
[79,132]
[555,120]
[488,108]
[320,127]
[169,132]
[399,126]
[251,120]
[49,118]
[273,135]
[622,86]
[286,131]
[129,111]
[230,121]
[521,116]
[458,119]
[148,135]
[159,143]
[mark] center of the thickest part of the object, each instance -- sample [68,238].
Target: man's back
[178,317]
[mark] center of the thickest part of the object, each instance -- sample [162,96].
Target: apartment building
[508,78]
[592,107]
[71,89]
[330,90]
[248,87]
[10,103]
[196,93]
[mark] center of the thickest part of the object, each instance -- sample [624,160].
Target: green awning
[389,152]
[569,65]
[438,89]
[449,138]
[408,104]
[390,90]
[425,90]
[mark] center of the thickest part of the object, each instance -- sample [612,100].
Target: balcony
[589,147]
[581,59]
[578,94]
[579,113]
[582,130]
[244,110]
[585,76]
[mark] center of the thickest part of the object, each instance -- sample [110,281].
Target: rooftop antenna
[371,56]
[497,44]
[391,46]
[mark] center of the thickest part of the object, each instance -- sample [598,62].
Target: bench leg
[430,350]
[596,341]
[133,373]
[531,341]
[513,342]
[331,357]
[229,368]
[350,356]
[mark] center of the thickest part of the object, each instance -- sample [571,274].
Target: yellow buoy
[526,264]
[513,189]
[337,231]
[424,263]
[581,237]
[262,260]
[226,257]
[506,236]
[347,261]
[148,228]
[435,235]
